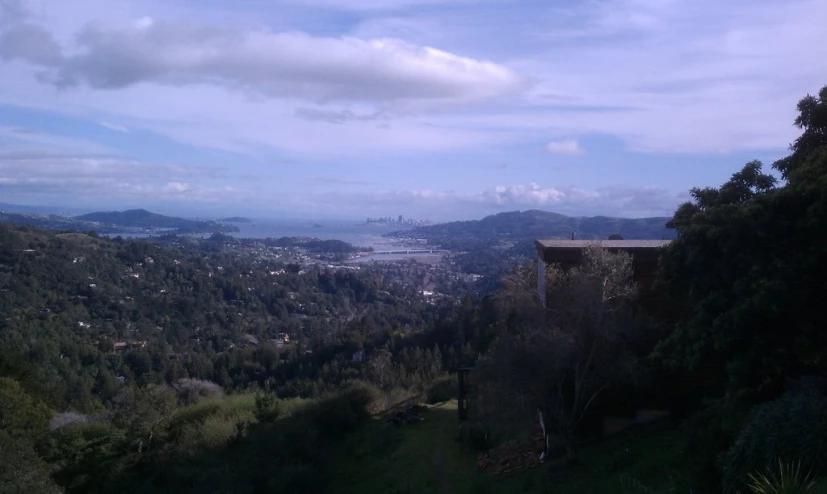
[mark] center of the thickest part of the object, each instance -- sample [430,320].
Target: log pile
[512,456]
[408,415]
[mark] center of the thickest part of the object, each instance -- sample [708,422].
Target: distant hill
[518,225]
[113,222]
[236,219]
[136,218]
[495,244]
[143,219]
[39,220]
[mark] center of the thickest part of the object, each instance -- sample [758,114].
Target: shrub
[791,428]
[268,407]
[197,413]
[191,390]
[709,433]
[21,415]
[67,418]
[443,389]
[790,479]
[77,439]
[21,470]
[342,412]
[213,433]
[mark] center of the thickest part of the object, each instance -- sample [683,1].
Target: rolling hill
[534,223]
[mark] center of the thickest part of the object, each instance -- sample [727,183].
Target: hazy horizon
[259,216]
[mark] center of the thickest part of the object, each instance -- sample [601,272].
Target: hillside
[426,457]
[542,224]
[495,244]
[141,218]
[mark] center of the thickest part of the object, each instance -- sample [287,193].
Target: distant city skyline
[438,109]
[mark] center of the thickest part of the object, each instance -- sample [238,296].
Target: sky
[433,109]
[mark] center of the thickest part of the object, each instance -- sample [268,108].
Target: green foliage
[20,414]
[558,360]
[792,428]
[268,407]
[749,257]
[21,470]
[197,413]
[200,314]
[707,435]
[342,412]
[789,479]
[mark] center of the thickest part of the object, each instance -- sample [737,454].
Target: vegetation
[557,366]
[114,221]
[132,221]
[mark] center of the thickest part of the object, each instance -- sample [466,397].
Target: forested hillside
[93,325]
[89,311]
[131,221]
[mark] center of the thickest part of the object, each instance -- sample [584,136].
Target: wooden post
[462,398]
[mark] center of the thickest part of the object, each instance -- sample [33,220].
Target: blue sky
[440,109]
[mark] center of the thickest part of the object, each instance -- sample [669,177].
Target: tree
[380,368]
[21,470]
[557,369]
[144,413]
[749,258]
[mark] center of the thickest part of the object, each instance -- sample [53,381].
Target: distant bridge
[409,251]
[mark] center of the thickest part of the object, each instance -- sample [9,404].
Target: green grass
[425,458]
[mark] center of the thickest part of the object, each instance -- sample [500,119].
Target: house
[123,345]
[645,255]
[357,356]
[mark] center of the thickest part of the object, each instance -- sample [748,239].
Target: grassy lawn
[425,458]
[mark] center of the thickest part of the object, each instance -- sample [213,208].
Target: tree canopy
[750,258]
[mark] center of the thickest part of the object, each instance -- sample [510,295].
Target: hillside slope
[543,224]
[425,457]
[141,218]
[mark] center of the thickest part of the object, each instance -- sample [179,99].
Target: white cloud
[115,127]
[271,64]
[620,201]
[378,5]
[324,88]
[567,146]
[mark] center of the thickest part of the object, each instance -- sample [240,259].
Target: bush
[21,415]
[709,433]
[197,414]
[789,479]
[268,407]
[791,428]
[341,413]
[67,418]
[212,434]
[192,390]
[443,389]
[21,469]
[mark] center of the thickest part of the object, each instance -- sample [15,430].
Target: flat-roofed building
[569,253]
